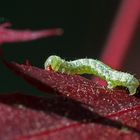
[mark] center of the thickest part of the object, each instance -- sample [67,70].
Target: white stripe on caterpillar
[113,77]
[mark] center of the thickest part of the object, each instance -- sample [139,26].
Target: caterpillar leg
[132,90]
[110,85]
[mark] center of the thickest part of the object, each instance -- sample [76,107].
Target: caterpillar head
[53,61]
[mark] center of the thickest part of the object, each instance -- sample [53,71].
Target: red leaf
[74,86]
[9,35]
[98,112]
[26,117]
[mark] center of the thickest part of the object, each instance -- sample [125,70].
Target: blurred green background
[86,25]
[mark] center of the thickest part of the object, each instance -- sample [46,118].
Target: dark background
[86,25]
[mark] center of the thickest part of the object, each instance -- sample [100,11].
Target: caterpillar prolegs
[113,77]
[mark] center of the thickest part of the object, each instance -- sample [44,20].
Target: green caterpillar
[113,77]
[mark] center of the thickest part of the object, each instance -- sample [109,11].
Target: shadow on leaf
[64,107]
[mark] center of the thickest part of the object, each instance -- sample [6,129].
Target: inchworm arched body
[113,77]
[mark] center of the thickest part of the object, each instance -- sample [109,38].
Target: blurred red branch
[121,34]
[9,35]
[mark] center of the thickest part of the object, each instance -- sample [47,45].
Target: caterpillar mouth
[53,63]
[49,68]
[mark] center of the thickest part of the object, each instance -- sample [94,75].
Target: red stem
[9,35]
[121,34]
